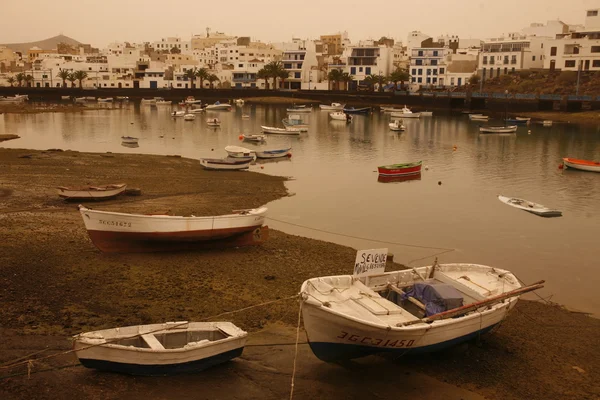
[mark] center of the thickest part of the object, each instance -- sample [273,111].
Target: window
[483,73]
[353,71]
[532,58]
[569,63]
[434,80]
[420,53]
[414,80]
[428,72]
[441,71]
[595,49]
[451,81]
[240,65]
[420,80]
[434,62]
[505,70]
[419,62]
[513,60]
[492,59]
[513,70]
[297,75]
[435,53]
[360,69]
[484,60]
[428,80]
[596,63]
[287,66]
[592,13]
[434,71]
[368,70]
[576,50]
[414,71]
[505,59]
[553,51]
[420,72]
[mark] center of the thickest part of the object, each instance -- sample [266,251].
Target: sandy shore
[34,108]
[54,283]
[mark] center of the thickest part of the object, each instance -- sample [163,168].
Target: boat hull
[582,165]
[91,194]
[333,337]
[365,110]
[492,130]
[120,232]
[399,171]
[226,166]
[405,115]
[273,153]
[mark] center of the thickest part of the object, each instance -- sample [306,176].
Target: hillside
[46,44]
[546,82]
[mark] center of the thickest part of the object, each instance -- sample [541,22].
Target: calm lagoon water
[337,188]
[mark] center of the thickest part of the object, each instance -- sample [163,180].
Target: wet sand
[54,283]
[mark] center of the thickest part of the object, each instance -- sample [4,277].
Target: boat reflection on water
[130,145]
[273,160]
[403,178]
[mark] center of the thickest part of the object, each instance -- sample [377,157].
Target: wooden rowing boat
[530,206]
[400,169]
[91,192]
[584,165]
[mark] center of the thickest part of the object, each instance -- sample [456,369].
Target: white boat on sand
[91,192]
[160,349]
[239,152]
[227,164]
[122,232]
[280,131]
[276,153]
[498,129]
[529,206]
[410,311]
[332,107]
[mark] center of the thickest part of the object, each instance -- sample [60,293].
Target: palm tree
[212,78]
[71,78]
[64,75]
[191,75]
[346,78]
[264,74]
[274,69]
[28,79]
[20,78]
[283,75]
[11,80]
[373,79]
[399,75]
[335,76]
[80,76]
[202,74]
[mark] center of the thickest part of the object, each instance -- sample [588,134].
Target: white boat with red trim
[410,311]
[123,232]
[160,349]
[229,163]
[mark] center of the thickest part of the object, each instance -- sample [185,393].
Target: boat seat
[373,302]
[152,341]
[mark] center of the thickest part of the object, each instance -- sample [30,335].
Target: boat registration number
[375,341]
[115,223]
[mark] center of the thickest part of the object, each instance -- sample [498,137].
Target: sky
[102,22]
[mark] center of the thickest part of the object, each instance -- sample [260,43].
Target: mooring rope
[296,350]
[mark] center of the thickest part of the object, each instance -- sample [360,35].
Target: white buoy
[426,168]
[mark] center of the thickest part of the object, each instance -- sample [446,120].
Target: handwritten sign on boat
[370,262]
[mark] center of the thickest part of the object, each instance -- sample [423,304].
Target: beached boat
[239,152]
[478,117]
[189,117]
[281,131]
[12,99]
[122,98]
[396,125]
[332,107]
[196,110]
[65,97]
[299,109]
[275,153]
[79,99]
[400,169]
[254,138]
[219,107]
[498,129]
[295,121]
[340,116]
[352,110]
[176,114]
[123,232]
[90,98]
[129,139]
[160,349]
[529,206]
[214,122]
[91,192]
[406,113]
[412,311]
[227,164]
[518,120]
[105,99]
[584,165]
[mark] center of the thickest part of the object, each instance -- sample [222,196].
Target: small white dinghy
[397,125]
[274,153]
[529,206]
[91,192]
[254,138]
[129,140]
[410,311]
[214,122]
[189,117]
[176,114]
[160,349]
[280,131]
[239,152]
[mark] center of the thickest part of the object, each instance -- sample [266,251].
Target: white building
[576,50]
[512,53]
[415,39]
[428,66]
[166,44]
[368,59]
[551,29]
[299,59]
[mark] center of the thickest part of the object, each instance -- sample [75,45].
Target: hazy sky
[100,22]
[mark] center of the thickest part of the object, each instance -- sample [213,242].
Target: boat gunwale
[260,211]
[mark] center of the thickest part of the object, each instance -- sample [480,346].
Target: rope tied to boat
[296,349]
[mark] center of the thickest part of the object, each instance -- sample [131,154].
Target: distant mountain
[47,44]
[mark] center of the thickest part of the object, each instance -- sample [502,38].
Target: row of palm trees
[335,76]
[274,70]
[203,74]
[63,74]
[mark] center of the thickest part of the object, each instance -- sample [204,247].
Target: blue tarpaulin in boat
[437,297]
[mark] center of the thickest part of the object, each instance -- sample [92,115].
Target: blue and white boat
[352,110]
[160,349]
[518,120]
[409,311]
[273,153]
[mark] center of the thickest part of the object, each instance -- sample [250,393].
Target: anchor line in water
[445,250]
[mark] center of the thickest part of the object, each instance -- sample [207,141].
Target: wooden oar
[478,304]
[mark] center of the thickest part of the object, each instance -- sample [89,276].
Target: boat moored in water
[530,206]
[584,165]
[400,169]
[498,129]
